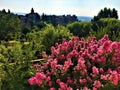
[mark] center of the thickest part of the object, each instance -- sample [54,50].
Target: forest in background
[22,42]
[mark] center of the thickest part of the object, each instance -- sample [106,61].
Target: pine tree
[32,10]
[106,13]
[114,13]
[8,10]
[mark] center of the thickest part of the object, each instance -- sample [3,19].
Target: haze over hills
[19,13]
[84,18]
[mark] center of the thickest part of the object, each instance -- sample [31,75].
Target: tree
[106,13]
[32,10]
[10,26]
[9,11]
[43,39]
[80,29]
[50,35]
[109,26]
[4,11]
[114,13]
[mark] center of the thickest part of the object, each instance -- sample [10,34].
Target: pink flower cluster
[80,64]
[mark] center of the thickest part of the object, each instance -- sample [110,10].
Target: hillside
[84,18]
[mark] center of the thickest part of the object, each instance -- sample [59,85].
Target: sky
[60,7]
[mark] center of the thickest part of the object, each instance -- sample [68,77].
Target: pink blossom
[109,70]
[89,79]
[50,83]
[48,72]
[69,81]
[119,77]
[54,64]
[114,45]
[67,64]
[54,51]
[82,81]
[69,88]
[32,80]
[40,75]
[63,85]
[83,71]
[73,53]
[115,78]
[56,44]
[97,84]
[62,56]
[39,82]
[103,59]
[113,60]
[88,64]
[35,66]
[48,78]
[85,88]
[63,40]
[101,71]
[107,46]
[79,63]
[105,38]
[52,88]
[44,55]
[60,89]
[103,77]
[118,69]
[58,81]
[95,70]
[100,51]
[94,88]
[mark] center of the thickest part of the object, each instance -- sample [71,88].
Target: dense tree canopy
[110,26]
[106,13]
[80,29]
[43,39]
[10,26]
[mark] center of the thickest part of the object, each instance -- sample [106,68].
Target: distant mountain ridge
[19,13]
[84,18]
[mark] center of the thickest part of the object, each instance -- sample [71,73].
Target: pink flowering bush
[80,64]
